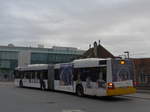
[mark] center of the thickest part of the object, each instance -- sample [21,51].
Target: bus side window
[25,75]
[41,75]
[84,72]
[21,74]
[45,74]
[16,74]
[102,74]
[57,74]
[75,74]
[33,74]
[36,77]
[94,74]
[38,74]
[29,75]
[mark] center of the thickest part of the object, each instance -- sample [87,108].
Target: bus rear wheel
[79,91]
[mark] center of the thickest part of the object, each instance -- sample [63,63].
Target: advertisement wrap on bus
[91,76]
[65,82]
[122,77]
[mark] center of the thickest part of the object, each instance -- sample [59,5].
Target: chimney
[89,46]
[99,42]
[95,49]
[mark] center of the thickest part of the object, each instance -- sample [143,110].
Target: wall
[142,71]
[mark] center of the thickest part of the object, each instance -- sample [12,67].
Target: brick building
[142,71]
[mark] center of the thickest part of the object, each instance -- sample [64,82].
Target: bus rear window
[102,62]
[122,72]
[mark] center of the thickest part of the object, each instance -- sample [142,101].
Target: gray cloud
[120,24]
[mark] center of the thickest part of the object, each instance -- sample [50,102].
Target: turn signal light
[110,85]
[122,62]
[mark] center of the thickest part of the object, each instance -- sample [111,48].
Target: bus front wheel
[79,91]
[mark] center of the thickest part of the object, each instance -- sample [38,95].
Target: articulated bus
[92,76]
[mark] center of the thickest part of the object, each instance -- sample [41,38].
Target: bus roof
[88,62]
[90,59]
[81,63]
[33,67]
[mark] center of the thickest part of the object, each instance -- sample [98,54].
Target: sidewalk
[6,83]
[143,91]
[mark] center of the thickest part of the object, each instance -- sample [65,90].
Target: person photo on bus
[88,82]
[66,75]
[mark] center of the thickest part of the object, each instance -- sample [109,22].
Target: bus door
[122,73]
[51,77]
[95,81]
[66,78]
[101,82]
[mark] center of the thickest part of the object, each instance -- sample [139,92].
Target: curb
[143,91]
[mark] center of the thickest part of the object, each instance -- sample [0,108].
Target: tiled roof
[101,53]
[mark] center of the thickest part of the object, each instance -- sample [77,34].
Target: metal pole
[127,52]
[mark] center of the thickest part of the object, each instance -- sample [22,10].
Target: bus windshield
[122,70]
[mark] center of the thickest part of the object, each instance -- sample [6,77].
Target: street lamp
[127,52]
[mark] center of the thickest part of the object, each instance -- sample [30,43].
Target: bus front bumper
[120,91]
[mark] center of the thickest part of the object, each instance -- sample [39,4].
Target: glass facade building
[9,57]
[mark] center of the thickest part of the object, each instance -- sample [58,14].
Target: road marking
[136,99]
[72,111]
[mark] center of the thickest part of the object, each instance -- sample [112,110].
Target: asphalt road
[13,99]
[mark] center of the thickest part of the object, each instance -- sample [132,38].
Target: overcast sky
[121,25]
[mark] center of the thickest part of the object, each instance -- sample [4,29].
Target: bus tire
[79,90]
[20,83]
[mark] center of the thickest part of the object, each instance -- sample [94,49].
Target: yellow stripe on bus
[120,91]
